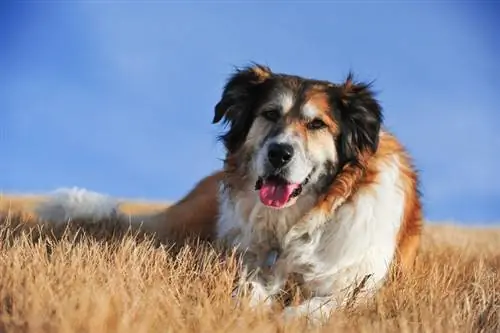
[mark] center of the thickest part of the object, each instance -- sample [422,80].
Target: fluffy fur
[313,191]
[67,203]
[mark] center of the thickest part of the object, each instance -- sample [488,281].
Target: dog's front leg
[317,310]
[256,291]
[258,287]
[258,283]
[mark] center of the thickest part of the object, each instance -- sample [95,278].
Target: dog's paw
[253,293]
[293,312]
[315,316]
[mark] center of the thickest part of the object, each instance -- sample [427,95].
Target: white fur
[356,241]
[286,101]
[310,111]
[229,222]
[65,204]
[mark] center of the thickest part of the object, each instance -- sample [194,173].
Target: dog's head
[291,134]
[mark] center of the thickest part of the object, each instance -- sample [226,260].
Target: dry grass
[106,279]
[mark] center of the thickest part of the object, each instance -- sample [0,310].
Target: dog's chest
[245,222]
[261,231]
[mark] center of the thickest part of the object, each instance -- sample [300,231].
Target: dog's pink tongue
[276,195]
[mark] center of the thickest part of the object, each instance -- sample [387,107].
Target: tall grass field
[103,278]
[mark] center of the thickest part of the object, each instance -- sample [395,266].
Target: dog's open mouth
[275,191]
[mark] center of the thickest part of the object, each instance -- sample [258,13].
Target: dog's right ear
[237,102]
[237,90]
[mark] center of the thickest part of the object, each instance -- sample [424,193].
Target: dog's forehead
[298,97]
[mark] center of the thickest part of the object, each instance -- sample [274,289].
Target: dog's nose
[279,154]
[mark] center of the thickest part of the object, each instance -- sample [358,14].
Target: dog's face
[293,134]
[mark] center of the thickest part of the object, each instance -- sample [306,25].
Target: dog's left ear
[236,106]
[361,117]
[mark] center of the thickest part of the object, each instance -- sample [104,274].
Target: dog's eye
[316,124]
[271,115]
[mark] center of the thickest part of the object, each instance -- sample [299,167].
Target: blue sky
[118,97]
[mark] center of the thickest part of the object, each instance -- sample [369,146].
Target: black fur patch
[360,119]
[241,96]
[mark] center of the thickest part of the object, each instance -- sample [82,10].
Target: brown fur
[194,215]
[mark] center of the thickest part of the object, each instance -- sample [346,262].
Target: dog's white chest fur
[332,258]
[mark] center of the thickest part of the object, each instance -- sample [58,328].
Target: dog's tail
[66,204]
[195,215]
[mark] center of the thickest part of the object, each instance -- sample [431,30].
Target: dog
[312,189]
